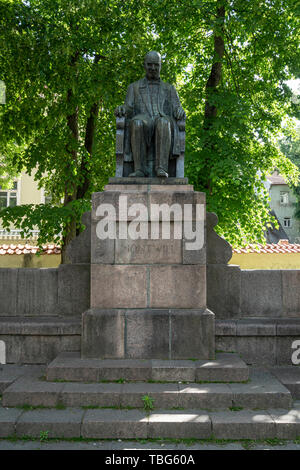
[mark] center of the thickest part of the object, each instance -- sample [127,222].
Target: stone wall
[231,292]
[40,311]
[257,311]
[46,291]
[236,293]
[259,341]
[30,340]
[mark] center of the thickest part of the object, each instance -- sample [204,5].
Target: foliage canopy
[290,146]
[67,65]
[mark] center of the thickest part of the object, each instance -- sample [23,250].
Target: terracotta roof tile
[27,249]
[282,247]
[276,179]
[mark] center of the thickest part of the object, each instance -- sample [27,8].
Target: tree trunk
[70,234]
[79,192]
[70,187]
[213,81]
[89,141]
[216,70]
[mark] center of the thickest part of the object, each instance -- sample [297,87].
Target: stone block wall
[231,292]
[30,340]
[259,341]
[257,311]
[236,293]
[40,311]
[29,292]
[46,291]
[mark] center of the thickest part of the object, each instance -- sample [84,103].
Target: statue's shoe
[138,173]
[160,172]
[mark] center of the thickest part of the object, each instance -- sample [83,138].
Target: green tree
[290,146]
[241,53]
[67,65]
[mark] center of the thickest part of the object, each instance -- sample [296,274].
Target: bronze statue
[152,118]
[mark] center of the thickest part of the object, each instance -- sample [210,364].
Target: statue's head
[152,65]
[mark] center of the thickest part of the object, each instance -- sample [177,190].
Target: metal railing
[15,234]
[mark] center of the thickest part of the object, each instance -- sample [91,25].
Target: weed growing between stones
[148,403]
[44,436]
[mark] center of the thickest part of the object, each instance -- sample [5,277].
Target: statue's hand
[120,111]
[179,113]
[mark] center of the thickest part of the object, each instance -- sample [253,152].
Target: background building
[25,191]
[283,207]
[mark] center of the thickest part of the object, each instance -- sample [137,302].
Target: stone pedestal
[148,294]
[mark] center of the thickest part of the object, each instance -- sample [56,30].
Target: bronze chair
[124,163]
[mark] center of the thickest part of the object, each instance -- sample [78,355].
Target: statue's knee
[163,123]
[136,124]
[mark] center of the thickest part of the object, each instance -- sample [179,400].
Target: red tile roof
[11,249]
[283,246]
[276,179]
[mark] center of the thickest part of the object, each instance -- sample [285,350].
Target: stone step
[289,376]
[10,372]
[135,424]
[227,367]
[262,391]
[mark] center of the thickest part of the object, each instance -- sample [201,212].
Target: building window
[48,197]
[284,197]
[8,197]
[287,222]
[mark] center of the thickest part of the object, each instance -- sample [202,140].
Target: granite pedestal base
[148,334]
[148,287]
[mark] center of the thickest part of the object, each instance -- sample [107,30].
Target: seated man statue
[152,109]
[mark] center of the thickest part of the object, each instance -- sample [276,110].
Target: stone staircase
[227,367]
[139,399]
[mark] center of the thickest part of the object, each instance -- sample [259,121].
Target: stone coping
[51,325]
[258,327]
[72,325]
[138,180]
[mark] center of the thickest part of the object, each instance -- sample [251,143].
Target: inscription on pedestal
[148,251]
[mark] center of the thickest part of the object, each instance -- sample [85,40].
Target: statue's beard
[153,75]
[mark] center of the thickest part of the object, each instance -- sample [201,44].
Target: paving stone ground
[133,445]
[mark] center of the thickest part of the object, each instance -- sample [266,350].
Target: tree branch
[229,61]
[89,141]
[210,110]
[216,71]
[72,123]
